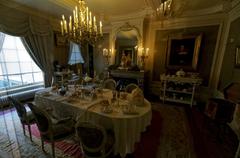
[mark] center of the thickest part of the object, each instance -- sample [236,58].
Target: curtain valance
[36,33]
[18,23]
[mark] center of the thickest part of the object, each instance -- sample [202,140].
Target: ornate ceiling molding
[214,19]
[69,5]
[207,11]
[137,15]
[234,13]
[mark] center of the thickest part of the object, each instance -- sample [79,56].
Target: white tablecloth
[127,127]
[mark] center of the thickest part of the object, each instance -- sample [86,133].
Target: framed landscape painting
[183,52]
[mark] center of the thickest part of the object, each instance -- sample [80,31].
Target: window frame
[5,75]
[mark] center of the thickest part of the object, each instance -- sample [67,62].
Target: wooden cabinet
[178,89]
[61,77]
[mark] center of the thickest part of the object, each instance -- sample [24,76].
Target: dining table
[126,124]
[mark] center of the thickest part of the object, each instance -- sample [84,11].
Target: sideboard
[178,89]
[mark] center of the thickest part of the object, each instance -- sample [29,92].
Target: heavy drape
[36,34]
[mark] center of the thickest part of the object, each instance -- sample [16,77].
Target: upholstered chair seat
[95,140]
[30,116]
[110,84]
[51,129]
[221,111]
[26,117]
[130,87]
[61,129]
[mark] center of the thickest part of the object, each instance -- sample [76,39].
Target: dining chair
[110,84]
[95,140]
[52,130]
[26,117]
[221,111]
[130,87]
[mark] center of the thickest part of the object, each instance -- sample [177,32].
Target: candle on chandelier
[90,20]
[65,26]
[100,24]
[94,24]
[62,27]
[87,17]
[70,23]
[169,4]
[165,6]
[76,14]
[76,11]
[82,18]
[161,8]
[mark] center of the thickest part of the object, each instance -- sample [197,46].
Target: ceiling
[110,8]
[130,34]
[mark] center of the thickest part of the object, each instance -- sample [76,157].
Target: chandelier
[82,25]
[165,8]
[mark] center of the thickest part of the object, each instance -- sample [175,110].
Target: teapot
[62,91]
[180,73]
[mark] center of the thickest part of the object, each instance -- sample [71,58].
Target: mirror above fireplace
[127,39]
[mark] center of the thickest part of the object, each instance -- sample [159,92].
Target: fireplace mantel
[140,77]
[127,74]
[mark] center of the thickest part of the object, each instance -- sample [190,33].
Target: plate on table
[71,101]
[105,90]
[106,110]
[47,94]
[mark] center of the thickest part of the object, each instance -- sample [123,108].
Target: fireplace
[124,78]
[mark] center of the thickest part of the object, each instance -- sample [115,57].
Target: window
[17,69]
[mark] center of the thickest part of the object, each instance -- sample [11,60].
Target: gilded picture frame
[183,51]
[60,40]
[237,57]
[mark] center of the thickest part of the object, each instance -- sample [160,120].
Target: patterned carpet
[175,138]
[13,141]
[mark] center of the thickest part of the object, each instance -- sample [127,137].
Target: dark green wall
[206,53]
[98,59]
[230,73]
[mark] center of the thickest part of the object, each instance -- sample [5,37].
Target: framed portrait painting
[127,51]
[183,51]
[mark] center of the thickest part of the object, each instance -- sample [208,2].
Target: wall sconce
[107,54]
[143,56]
